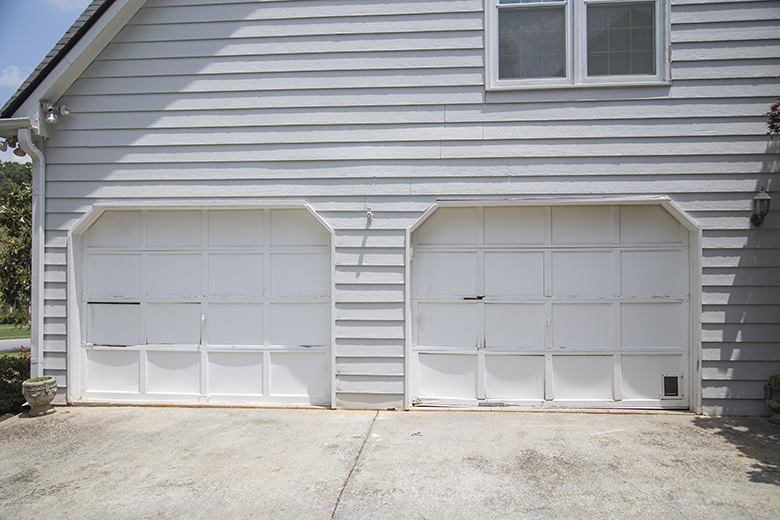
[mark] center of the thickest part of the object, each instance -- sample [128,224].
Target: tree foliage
[773,118]
[12,173]
[16,241]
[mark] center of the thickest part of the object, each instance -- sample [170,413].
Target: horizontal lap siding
[381,104]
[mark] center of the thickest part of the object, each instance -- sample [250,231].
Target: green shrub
[774,380]
[18,318]
[13,372]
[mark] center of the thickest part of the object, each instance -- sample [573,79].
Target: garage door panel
[648,224]
[115,324]
[235,324]
[447,376]
[174,275]
[114,275]
[581,225]
[455,226]
[235,373]
[446,274]
[514,377]
[174,228]
[562,293]
[514,325]
[231,274]
[581,273]
[582,325]
[652,324]
[300,324]
[514,274]
[447,325]
[642,375]
[657,273]
[303,374]
[244,228]
[173,323]
[297,227]
[583,378]
[116,229]
[112,371]
[173,372]
[206,298]
[514,225]
[300,274]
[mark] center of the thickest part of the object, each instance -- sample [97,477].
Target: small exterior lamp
[760,207]
[52,117]
[53,113]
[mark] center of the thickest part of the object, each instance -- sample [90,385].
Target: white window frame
[576,49]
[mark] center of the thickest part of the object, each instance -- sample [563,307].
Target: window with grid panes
[549,43]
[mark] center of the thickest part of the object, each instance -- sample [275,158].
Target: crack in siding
[354,464]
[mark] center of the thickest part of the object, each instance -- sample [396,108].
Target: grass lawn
[14,332]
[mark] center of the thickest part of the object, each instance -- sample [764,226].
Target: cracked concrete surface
[210,463]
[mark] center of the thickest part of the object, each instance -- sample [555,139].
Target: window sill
[505,86]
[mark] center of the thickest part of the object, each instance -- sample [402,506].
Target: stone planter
[772,399]
[39,395]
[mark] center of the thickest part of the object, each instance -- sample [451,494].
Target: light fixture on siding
[760,207]
[53,113]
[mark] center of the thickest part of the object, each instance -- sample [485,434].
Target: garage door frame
[75,352]
[693,383]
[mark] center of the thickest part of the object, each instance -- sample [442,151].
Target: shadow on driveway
[752,437]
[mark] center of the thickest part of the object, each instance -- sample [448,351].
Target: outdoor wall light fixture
[760,207]
[11,143]
[53,113]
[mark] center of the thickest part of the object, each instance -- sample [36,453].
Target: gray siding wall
[381,104]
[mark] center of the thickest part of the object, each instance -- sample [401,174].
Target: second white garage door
[206,305]
[557,305]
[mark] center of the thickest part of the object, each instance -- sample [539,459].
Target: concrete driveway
[213,463]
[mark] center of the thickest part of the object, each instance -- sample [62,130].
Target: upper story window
[563,43]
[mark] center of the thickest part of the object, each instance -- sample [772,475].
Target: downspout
[38,241]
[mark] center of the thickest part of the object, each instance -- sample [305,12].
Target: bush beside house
[14,370]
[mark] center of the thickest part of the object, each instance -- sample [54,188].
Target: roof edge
[72,36]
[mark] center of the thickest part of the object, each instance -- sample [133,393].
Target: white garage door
[206,305]
[556,305]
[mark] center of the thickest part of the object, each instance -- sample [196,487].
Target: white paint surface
[229,304]
[561,314]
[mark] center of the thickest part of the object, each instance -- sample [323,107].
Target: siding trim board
[77,309]
[694,268]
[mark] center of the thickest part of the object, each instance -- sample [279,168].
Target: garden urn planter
[772,398]
[39,393]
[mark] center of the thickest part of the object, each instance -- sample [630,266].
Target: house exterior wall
[348,106]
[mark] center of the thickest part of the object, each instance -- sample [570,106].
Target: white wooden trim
[576,49]
[691,351]
[80,56]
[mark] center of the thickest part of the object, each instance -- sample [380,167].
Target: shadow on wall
[748,333]
[753,438]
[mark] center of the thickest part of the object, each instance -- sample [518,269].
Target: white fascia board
[80,56]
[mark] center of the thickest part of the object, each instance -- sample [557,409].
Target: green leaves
[16,242]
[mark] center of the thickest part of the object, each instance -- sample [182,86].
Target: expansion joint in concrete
[354,465]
